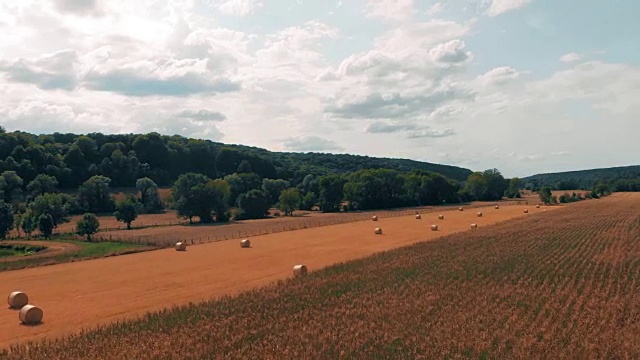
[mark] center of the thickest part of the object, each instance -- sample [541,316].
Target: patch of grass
[8,250]
[88,250]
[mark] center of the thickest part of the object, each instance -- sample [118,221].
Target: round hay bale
[474,226]
[246,243]
[374,218]
[30,314]
[479,214]
[434,227]
[497,207]
[526,211]
[460,208]
[378,231]
[537,206]
[418,217]
[181,246]
[441,217]
[299,270]
[17,299]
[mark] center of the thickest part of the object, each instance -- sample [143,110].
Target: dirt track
[84,294]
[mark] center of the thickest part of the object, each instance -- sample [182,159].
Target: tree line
[41,205]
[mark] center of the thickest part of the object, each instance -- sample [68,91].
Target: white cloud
[431,133]
[310,143]
[499,76]
[390,10]
[239,7]
[451,52]
[435,9]
[49,71]
[79,7]
[201,115]
[498,7]
[570,57]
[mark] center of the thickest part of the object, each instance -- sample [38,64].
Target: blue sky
[526,86]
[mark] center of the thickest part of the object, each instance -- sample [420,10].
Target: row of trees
[42,207]
[199,196]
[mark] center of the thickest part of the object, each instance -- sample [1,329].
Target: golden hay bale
[474,226]
[441,217]
[434,227]
[17,299]
[246,243]
[30,314]
[460,208]
[497,207]
[181,246]
[537,206]
[378,231]
[299,270]
[374,218]
[479,214]
[418,217]
[526,211]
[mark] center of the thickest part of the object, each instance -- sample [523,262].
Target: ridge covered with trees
[625,178]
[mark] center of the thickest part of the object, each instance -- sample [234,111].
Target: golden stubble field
[81,295]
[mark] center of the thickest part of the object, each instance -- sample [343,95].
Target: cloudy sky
[526,86]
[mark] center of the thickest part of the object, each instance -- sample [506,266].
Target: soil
[85,294]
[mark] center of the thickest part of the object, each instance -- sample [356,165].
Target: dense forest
[625,178]
[72,159]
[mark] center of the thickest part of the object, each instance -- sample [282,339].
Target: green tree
[273,187]
[289,201]
[94,195]
[88,225]
[6,219]
[486,186]
[219,190]
[545,195]
[57,206]
[253,205]
[309,200]
[331,192]
[197,195]
[244,167]
[45,225]
[10,185]
[42,184]
[149,196]
[242,183]
[127,210]
[28,222]
[513,190]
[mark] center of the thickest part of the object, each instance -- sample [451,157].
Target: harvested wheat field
[88,293]
[556,285]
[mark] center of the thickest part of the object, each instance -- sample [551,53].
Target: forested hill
[585,179]
[73,159]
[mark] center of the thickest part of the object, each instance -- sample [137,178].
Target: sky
[525,86]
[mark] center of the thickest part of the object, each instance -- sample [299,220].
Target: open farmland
[103,290]
[203,233]
[560,284]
